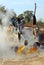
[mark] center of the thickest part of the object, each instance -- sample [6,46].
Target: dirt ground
[30,25]
[33,61]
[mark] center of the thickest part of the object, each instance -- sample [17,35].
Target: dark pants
[19,36]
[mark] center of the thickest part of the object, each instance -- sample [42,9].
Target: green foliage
[21,16]
[28,15]
[40,23]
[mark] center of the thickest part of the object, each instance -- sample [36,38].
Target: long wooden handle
[35,9]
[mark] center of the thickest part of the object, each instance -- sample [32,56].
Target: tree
[28,15]
[21,16]
[2,9]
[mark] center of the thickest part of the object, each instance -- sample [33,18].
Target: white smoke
[1,15]
[2,39]
[6,17]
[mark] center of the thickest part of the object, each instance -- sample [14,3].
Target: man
[19,25]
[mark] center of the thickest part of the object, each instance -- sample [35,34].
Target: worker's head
[26,43]
[18,19]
